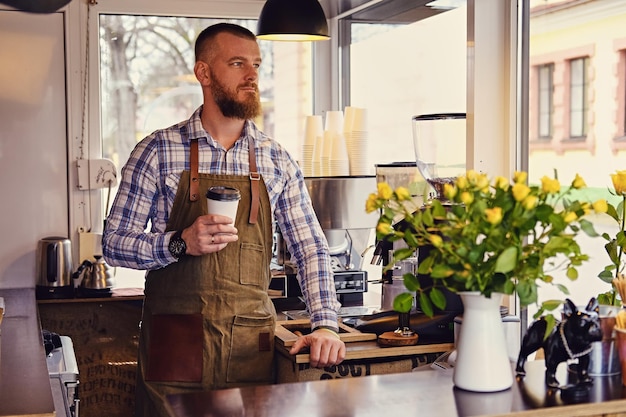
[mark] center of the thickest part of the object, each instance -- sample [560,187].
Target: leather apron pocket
[251,356]
[251,260]
[175,348]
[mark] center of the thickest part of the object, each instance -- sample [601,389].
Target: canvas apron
[208,321]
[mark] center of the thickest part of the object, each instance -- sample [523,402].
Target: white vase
[482,362]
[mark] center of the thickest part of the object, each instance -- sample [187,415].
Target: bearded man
[207,321]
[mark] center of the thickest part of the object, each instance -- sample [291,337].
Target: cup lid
[223,193]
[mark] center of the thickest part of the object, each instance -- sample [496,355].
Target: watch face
[177,247]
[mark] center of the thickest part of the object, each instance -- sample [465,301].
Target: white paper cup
[223,200]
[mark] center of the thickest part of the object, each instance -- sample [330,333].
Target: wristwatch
[177,245]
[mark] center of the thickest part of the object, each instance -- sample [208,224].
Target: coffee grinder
[439,143]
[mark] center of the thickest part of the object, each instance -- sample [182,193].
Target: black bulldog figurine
[570,339]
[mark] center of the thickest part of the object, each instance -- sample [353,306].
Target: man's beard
[227,101]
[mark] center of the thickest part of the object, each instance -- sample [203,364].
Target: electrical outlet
[96,173]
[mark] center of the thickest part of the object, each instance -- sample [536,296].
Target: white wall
[33,140]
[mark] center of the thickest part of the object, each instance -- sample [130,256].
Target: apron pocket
[175,348]
[251,356]
[251,270]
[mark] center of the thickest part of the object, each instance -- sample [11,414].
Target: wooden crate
[363,355]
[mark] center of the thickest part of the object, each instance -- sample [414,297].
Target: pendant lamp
[292,20]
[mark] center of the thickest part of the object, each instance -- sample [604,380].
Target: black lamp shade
[292,20]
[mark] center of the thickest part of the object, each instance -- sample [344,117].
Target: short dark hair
[210,32]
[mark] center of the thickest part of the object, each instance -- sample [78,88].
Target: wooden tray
[358,345]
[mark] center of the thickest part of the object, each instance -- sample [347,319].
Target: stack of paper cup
[327,150]
[313,127]
[357,142]
[316,166]
[339,164]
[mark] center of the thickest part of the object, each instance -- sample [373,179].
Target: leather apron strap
[194,192]
[254,183]
[194,183]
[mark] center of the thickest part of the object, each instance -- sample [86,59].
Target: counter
[426,392]
[24,380]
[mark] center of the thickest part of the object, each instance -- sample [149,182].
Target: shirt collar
[194,129]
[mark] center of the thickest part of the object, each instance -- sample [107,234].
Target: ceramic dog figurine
[570,339]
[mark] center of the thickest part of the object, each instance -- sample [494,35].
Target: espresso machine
[339,204]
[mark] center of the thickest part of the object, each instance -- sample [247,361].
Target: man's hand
[325,348]
[209,233]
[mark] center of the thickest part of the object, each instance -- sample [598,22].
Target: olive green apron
[208,321]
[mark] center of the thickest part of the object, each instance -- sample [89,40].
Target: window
[544,105]
[584,42]
[578,98]
[403,63]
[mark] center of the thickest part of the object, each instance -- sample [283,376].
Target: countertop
[24,381]
[426,392]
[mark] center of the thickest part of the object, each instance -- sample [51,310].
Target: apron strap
[194,182]
[254,183]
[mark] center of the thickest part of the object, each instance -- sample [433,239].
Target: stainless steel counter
[24,381]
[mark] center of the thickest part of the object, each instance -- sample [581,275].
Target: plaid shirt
[149,183]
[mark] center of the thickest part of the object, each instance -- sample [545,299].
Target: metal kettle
[97,275]
[54,268]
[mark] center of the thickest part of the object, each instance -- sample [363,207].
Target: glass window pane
[400,71]
[559,31]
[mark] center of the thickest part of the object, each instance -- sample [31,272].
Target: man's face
[234,76]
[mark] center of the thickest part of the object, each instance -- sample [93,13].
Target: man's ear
[202,72]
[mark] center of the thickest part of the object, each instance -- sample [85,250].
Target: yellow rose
[482,182]
[520,177]
[436,240]
[600,206]
[371,204]
[403,193]
[501,182]
[466,197]
[494,215]
[550,185]
[530,202]
[384,228]
[384,191]
[570,217]
[520,191]
[578,182]
[472,176]
[619,182]
[461,182]
[449,191]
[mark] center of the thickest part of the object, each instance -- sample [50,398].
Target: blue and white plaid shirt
[149,183]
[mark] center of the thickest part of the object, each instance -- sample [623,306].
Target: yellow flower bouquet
[616,245]
[489,236]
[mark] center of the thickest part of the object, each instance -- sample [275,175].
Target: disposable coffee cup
[223,200]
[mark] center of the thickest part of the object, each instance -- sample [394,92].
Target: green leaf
[403,253]
[507,260]
[426,305]
[572,274]
[403,302]
[438,298]
[411,282]
[588,228]
[551,305]
[551,323]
